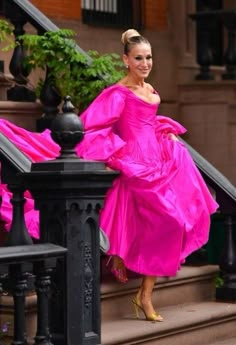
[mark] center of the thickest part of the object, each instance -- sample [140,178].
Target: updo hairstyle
[130,38]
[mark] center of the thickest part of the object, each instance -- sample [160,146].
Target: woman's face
[139,60]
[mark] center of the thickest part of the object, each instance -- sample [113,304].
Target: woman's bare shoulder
[149,87]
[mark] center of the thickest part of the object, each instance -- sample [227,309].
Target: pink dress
[38,147]
[158,210]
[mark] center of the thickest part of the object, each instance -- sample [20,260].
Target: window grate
[112,13]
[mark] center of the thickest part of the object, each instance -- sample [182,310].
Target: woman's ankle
[118,269]
[145,299]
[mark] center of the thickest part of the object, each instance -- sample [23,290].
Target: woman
[152,222]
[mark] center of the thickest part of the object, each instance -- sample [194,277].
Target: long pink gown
[158,209]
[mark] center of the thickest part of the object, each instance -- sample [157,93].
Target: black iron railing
[69,194]
[18,264]
[225,194]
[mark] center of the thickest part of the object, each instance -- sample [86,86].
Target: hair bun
[128,34]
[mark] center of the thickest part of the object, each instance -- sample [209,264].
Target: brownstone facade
[155,15]
[66,9]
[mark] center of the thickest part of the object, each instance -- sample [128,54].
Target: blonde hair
[125,37]
[130,38]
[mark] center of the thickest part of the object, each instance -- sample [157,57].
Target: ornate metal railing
[18,265]
[69,194]
[225,194]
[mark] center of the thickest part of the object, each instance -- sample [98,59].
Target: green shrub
[75,74]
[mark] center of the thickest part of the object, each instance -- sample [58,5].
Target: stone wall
[208,111]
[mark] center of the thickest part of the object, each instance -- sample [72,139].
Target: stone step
[192,284]
[190,324]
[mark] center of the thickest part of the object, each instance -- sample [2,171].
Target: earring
[127,66]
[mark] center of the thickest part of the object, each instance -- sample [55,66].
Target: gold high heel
[118,269]
[154,317]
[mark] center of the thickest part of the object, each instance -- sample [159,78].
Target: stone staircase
[187,303]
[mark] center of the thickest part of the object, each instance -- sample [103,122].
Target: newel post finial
[67,130]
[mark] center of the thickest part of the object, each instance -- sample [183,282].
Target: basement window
[112,13]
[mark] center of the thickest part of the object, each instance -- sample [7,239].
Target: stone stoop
[201,323]
[192,284]
[187,303]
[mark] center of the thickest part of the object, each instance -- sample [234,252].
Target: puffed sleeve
[167,125]
[100,141]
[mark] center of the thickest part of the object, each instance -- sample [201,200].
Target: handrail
[34,252]
[214,175]
[10,153]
